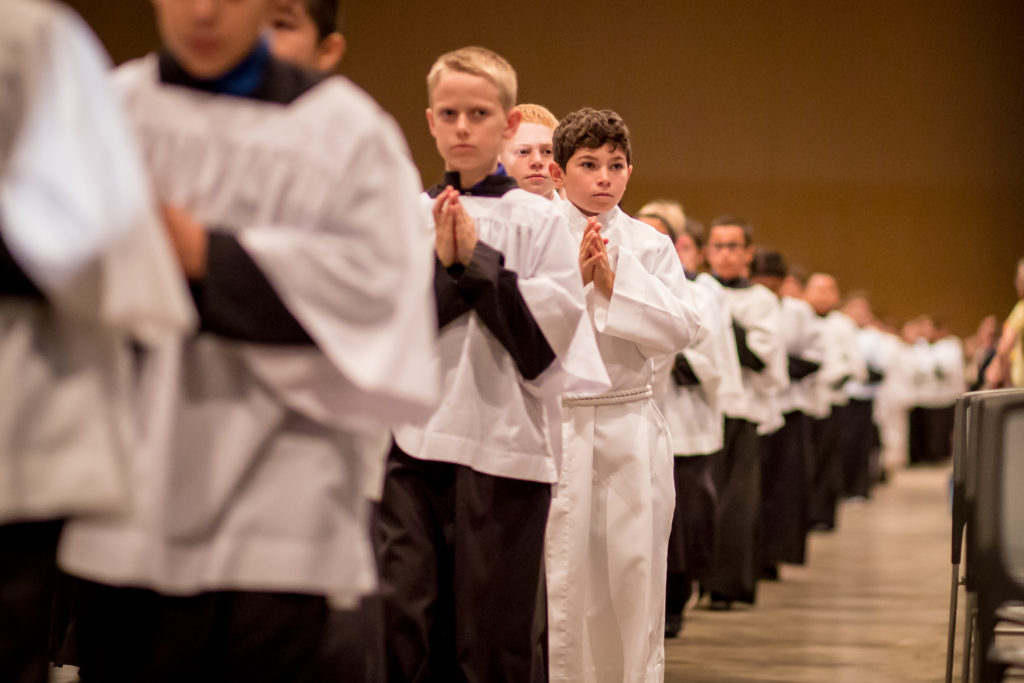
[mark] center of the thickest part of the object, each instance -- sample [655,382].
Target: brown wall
[881,140]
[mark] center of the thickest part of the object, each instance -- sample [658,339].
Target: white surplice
[607,536]
[758,311]
[257,474]
[694,413]
[77,217]
[492,419]
[802,330]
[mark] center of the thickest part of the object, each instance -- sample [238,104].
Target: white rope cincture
[610,398]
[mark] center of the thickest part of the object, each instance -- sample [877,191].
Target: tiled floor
[871,606]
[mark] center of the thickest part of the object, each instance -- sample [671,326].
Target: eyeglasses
[727,246]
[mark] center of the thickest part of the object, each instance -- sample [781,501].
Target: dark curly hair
[591,128]
[325,14]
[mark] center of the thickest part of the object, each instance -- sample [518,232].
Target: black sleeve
[801,367]
[493,292]
[451,304]
[13,280]
[235,299]
[682,372]
[748,359]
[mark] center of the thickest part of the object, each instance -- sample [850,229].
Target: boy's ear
[512,122]
[749,253]
[330,52]
[430,120]
[557,175]
[629,172]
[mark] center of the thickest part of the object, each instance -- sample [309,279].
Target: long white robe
[607,537]
[76,215]
[256,475]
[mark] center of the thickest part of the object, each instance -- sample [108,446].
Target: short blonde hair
[668,211]
[539,114]
[478,61]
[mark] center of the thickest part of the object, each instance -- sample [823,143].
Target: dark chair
[994,494]
[968,432]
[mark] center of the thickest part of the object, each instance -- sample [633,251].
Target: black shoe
[719,602]
[673,625]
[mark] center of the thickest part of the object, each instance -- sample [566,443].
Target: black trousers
[785,489]
[691,543]
[827,470]
[130,635]
[860,442]
[462,574]
[931,434]
[28,575]
[736,473]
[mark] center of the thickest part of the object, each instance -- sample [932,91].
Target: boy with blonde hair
[465,504]
[607,555]
[527,155]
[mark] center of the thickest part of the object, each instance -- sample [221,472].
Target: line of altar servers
[275,413]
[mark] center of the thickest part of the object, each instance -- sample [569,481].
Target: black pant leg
[27,582]
[858,442]
[500,608]
[784,493]
[692,540]
[737,477]
[270,637]
[131,635]
[414,530]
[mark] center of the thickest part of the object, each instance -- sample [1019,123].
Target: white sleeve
[650,306]
[362,287]
[554,293]
[77,214]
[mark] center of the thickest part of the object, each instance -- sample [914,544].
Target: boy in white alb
[607,555]
[250,510]
[461,523]
[86,273]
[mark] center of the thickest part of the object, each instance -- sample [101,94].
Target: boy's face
[791,287]
[689,254]
[859,309]
[727,253]
[822,293]
[469,124]
[297,40]
[210,37]
[595,178]
[528,156]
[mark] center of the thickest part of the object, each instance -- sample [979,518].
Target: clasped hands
[454,231]
[594,264]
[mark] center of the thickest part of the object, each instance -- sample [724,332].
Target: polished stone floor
[871,606]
